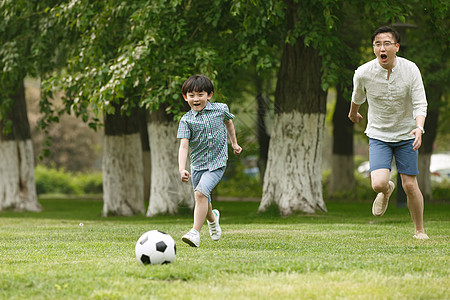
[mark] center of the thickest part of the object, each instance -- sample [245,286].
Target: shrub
[59,181]
[55,181]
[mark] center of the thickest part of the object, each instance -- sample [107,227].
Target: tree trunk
[146,158]
[434,94]
[167,191]
[17,182]
[263,136]
[342,177]
[123,180]
[294,168]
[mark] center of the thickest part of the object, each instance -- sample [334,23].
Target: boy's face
[385,48]
[197,100]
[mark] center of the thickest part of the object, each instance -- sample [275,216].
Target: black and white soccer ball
[155,247]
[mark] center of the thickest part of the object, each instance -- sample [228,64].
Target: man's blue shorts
[204,181]
[381,153]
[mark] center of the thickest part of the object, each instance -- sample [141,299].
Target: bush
[441,190]
[59,181]
[90,183]
[236,183]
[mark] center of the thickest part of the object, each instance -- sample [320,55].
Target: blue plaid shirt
[207,135]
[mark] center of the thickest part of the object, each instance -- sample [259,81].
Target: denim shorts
[204,181]
[381,153]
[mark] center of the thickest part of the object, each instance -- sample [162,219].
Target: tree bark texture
[293,174]
[123,171]
[294,168]
[17,181]
[167,190]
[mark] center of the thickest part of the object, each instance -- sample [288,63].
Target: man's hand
[184,174]
[355,118]
[418,138]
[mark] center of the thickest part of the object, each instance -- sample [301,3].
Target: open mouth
[383,56]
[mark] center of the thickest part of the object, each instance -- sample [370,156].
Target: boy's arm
[232,133]
[182,158]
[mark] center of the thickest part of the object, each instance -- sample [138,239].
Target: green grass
[343,254]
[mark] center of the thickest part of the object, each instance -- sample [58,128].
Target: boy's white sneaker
[192,238]
[381,201]
[214,228]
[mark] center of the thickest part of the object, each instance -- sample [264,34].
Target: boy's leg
[415,201]
[211,217]
[201,210]
[204,182]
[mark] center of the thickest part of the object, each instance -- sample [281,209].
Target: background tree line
[119,66]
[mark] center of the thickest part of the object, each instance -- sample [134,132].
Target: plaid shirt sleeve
[226,113]
[183,130]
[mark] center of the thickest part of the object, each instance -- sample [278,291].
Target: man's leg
[380,180]
[384,189]
[415,201]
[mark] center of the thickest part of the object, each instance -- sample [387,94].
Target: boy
[397,109]
[204,128]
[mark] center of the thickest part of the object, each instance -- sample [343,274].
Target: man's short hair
[388,29]
[197,83]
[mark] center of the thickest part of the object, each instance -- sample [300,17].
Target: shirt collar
[207,107]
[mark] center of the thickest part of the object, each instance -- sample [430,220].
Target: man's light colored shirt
[207,135]
[394,103]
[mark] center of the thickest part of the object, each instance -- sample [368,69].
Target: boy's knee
[200,197]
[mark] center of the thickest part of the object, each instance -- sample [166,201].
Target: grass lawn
[343,254]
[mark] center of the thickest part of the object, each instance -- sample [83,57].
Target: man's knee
[409,184]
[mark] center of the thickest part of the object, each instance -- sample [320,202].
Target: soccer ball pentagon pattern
[155,247]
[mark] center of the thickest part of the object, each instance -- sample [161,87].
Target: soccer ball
[155,247]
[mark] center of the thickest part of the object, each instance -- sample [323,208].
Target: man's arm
[417,132]
[232,133]
[182,158]
[354,115]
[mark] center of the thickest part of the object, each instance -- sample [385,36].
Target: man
[396,116]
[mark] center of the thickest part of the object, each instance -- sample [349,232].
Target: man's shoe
[381,201]
[192,238]
[421,236]
[214,228]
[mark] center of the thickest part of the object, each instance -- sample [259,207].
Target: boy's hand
[185,175]
[236,149]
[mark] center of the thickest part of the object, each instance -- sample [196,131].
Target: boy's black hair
[197,83]
[388,29]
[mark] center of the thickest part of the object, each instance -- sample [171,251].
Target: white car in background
[439,167]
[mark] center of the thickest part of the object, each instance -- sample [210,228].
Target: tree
[133,55]
[313,56]
[23,51]
[17,184]
[430,19]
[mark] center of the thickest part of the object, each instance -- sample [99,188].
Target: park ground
[345,253]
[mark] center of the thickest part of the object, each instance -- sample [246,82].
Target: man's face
[385,48]
[197,100]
